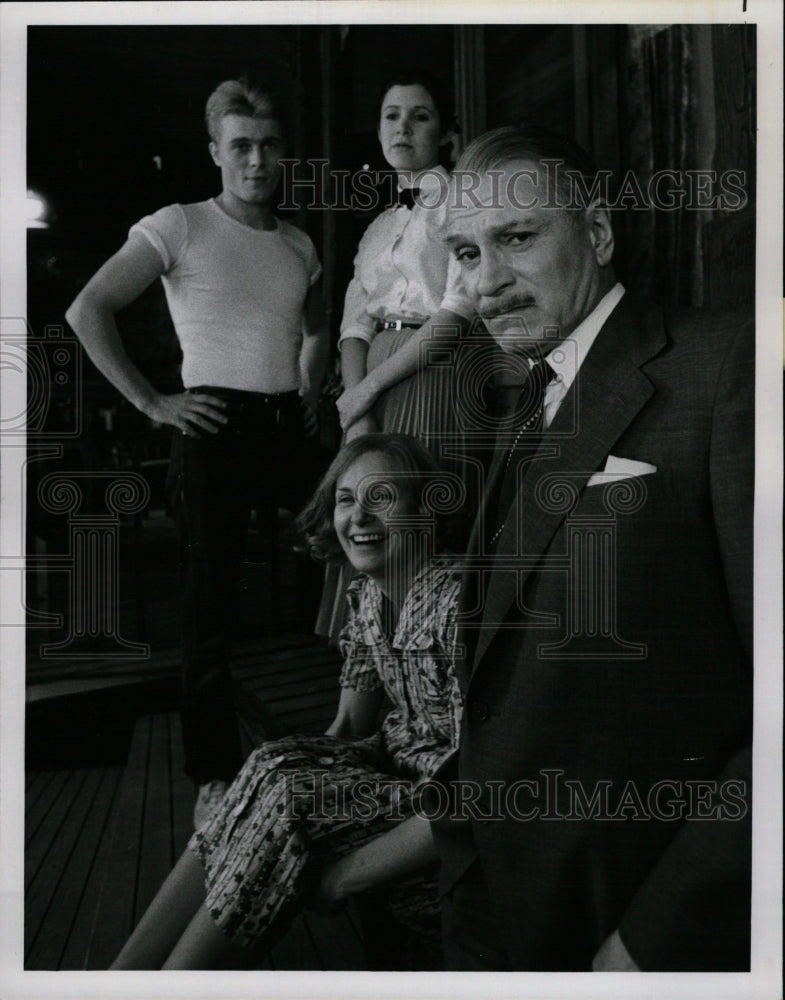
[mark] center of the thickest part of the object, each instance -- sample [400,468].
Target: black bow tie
[406,197]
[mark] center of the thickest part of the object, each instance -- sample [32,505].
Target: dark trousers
[470,933]
[261,459]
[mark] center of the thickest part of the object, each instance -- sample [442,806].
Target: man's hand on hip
[189,412]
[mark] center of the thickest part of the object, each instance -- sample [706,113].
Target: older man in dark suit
[601,793]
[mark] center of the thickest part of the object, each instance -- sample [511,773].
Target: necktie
[529,411]
[406,197]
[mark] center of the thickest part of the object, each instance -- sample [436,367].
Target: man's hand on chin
[613,956]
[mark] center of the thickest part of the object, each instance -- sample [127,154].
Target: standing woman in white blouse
[401,282]
[403,288]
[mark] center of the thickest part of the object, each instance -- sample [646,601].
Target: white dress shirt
[568,356]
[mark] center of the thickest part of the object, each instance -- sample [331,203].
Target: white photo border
[765,978]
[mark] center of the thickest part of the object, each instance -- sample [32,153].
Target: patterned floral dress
[302,799]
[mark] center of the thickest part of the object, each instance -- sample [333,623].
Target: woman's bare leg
[166,918]
[204,946]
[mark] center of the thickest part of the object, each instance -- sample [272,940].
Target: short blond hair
[240,97]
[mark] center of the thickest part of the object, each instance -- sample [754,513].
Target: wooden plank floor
[65,825]
[46,679]
[101,840]
[278,598]
[291,689]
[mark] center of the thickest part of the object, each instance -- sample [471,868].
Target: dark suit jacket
[616,660]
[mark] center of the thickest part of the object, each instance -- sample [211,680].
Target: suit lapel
[467,633]
[605,398]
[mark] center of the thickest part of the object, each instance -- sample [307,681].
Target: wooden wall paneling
[470,84]
[729,238]
[529,75]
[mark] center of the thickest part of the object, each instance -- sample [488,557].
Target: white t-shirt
[236,295]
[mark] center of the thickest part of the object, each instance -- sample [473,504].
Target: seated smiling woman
[320,818]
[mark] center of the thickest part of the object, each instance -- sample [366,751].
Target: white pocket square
[620,468]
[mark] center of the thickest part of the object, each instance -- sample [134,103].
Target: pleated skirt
[423,405]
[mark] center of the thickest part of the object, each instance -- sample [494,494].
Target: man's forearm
[96,328]
[698,892]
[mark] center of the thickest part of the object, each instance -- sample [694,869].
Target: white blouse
[402,269]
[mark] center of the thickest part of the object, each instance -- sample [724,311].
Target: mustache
[507,305]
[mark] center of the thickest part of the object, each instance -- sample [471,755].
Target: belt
[246,410]
[247,396]
[397,324]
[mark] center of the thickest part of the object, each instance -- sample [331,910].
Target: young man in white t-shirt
[242,288]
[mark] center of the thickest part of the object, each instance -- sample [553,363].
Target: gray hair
[537,144]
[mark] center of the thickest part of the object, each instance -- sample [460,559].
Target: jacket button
[481,712]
